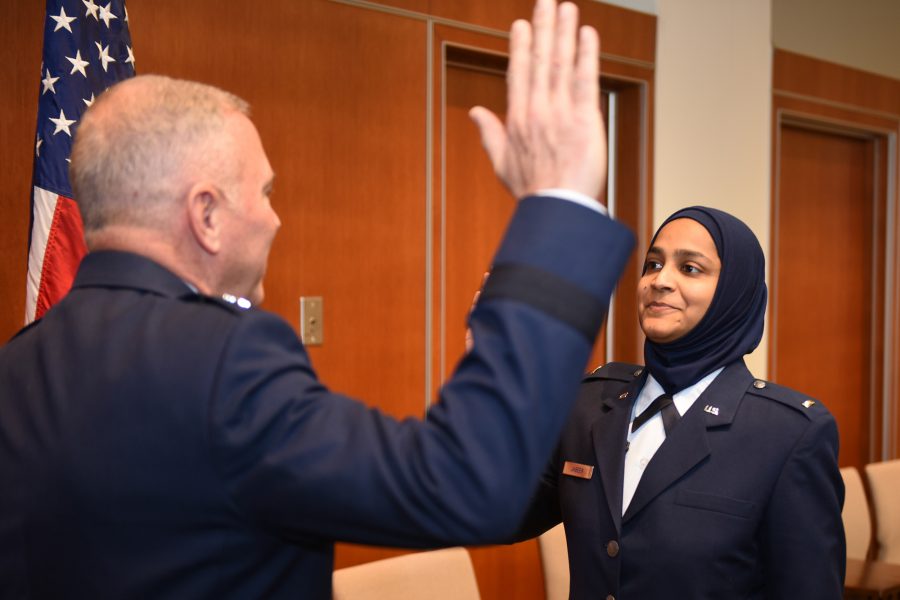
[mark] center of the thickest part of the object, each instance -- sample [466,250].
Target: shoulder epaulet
[232,304]
[617,371]
[785,395]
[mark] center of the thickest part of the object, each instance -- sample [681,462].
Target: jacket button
[610,597]
[759,384]
[612,548]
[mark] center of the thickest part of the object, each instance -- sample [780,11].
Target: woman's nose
[663,279]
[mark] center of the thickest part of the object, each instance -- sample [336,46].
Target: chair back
[856,517]
[884,483]
[555,562]
[438,575]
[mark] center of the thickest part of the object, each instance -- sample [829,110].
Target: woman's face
[679,279]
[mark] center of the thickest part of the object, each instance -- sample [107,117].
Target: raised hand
[554,135]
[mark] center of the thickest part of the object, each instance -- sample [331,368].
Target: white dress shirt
[576,197]
[643,443]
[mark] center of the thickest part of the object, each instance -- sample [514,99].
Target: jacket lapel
[609,433]
[688,444]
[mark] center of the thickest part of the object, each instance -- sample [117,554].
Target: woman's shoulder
[789,397]
[618,371]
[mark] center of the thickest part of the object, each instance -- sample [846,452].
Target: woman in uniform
[688,478]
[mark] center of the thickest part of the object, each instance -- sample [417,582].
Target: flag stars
[37,146]
[62,123]
[78,64]
[91,9]
[63,21]
[88,101]
[106,13]
[105,58]
[48,82]
[130,58]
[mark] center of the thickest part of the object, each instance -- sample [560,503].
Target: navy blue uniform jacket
[742,500]
[155,443]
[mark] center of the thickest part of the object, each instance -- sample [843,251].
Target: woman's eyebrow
[691,255]
[679,253]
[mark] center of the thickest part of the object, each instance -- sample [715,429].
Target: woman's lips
[659,307]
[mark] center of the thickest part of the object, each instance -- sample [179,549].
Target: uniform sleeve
[543,511]
[310,465]
[804,536]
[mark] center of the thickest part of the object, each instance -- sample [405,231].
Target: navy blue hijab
[733,323]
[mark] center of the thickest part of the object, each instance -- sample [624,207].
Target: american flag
[87,48]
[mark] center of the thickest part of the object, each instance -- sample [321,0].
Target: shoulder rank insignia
[237,301]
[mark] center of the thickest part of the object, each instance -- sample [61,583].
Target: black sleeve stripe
[549,294]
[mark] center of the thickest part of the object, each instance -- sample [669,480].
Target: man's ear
[205,205]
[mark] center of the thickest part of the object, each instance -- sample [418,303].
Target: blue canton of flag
[87,48]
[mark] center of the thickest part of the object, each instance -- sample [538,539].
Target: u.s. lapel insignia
[713,410]
[579,470]
[808,403]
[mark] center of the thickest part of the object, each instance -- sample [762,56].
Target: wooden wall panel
[795,73]
[624,32]
[344,127]
[21,30]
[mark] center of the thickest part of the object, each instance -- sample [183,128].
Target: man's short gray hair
[142,145]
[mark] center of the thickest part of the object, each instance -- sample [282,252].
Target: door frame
[813,94]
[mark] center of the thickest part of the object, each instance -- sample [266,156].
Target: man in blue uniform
[161,438]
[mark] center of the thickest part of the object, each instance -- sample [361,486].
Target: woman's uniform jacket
[156,443]
[742,500]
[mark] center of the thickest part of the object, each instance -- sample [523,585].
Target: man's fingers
[564,51]
[544,25]
[493,135]
[586,88]
[553,132]
[518,74]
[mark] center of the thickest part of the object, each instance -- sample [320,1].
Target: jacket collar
[116,269]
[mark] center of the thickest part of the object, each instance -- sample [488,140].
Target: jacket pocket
[720,504]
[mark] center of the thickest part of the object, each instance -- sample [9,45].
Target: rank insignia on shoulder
[237,301]
[808,403]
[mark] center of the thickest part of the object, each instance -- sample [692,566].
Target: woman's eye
[690,269]
[652,265]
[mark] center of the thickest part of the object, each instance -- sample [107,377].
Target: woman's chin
[660,335]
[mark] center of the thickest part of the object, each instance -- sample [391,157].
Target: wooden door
[471,210]
[827,278]
[834,330]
